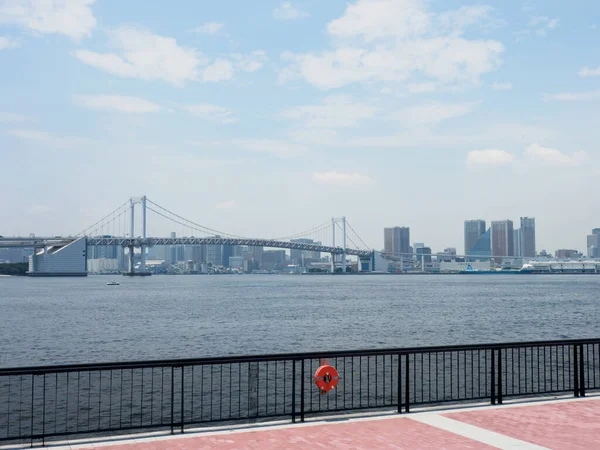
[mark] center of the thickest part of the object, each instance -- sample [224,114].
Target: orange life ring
[326,378]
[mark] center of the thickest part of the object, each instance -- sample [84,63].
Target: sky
[267,118]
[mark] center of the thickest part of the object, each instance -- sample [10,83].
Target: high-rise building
[227,252]
[299,256]
[502,239]
[483,247]
[473,231]
[273,259]
[423,254]
[396,240]
[517,241]
[527,244]
[593,244]
[565,253]
[214,255]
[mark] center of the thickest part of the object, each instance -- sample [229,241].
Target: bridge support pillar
[131,262]
[333,263]
[345,246]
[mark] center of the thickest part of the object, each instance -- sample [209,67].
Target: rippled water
[53,320]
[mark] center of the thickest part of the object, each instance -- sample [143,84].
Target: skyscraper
[517,243]
[502,239]
[396,240]
[483,248]
[527,244]
[473,231]
[593,244]
[227,252]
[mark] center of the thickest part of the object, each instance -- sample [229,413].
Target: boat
[113,283]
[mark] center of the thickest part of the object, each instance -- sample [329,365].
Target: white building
[67,260]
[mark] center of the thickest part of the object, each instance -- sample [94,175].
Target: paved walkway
[559,424]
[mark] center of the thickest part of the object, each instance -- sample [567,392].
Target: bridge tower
[334,224]
[142,202]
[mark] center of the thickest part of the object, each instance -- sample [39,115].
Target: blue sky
[266,118]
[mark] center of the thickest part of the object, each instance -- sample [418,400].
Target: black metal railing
[43,402]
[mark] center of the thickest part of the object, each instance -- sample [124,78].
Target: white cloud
[11,117]
[73,18]
[538,25]
[489,157]
[273,147]
[250,62]
[334,112]
[506,86]
[340,178]
[533,156]
[431,113]
[543,21]
[220,70]
[398,40]
[589,72]
[287,12]
[142,54]
[7,43]
[119,103]
[227,204]
[421,88]
[209,28]
[211,113]
[50,139]
[573,96]
[552,157]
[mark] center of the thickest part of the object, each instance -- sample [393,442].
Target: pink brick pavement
[563,425]
[556,425]
[396,433]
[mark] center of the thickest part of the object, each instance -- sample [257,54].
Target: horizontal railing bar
[86,367]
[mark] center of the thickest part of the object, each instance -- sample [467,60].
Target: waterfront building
[502,239]
[273,259]
[236,262]
[564,253]
[517,243]
[474,229]
[527,242]
[482,250]
[423,254]
[302,257]
[70,259]
[214,255]
[227,252]
[396,240]
[593,244]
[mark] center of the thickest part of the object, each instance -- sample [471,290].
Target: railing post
[407,386]
[44,414]
[294,391]
[499,376]
[575,371]
[182,397]
[493,378]
[172,399]
[302,393]
[32,405]
[581,372]
[399,383]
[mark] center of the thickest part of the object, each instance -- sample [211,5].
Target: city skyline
[278,117]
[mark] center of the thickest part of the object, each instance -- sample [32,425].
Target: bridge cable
[305,233]
[105,217]
[200,227]
[357,235]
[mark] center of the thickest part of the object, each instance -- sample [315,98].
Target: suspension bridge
[135,225]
